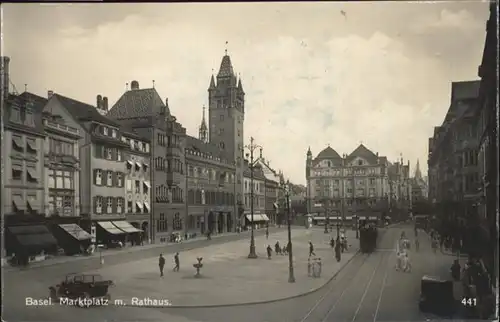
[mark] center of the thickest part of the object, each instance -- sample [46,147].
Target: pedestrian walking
[267,232]
[161,264]
[311,249]
[176,262]
[332,243]
[269,251]
[417,244]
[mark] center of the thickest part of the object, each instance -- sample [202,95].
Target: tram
[368,235]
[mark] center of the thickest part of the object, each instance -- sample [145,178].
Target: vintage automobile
[436,296]
[82,290]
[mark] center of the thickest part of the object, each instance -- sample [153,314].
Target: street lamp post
[327,215]
[251,148]
[291,276]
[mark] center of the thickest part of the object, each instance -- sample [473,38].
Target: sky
[315,74]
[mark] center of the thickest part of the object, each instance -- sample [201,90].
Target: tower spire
[418,173]
[203,131]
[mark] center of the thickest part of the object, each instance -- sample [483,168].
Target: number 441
[469,301]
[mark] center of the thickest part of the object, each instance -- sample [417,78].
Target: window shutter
[95,176]
[115,204]
[104,177]
[115,179]
[94,204]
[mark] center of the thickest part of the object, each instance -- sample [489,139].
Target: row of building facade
[361,183]
[132,162]
[463,164]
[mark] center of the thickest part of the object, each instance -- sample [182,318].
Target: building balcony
[61,127]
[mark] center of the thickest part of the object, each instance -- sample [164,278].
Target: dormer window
[113,133]
[360,162]
[104,130]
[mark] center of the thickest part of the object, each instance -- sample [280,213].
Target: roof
[465,90]
[38,101]
[195,144]
[328,153]
[258,172]
[363,152]
[82,111]
[226,68]
[138,103]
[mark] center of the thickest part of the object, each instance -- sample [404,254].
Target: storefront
[72,238]
[258,220]
[28,241]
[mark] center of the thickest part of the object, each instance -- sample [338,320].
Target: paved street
[368,289]
[226,267]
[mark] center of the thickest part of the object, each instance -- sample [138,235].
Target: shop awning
[130,163]
[146,183]
[18,202]
[146,205]
[110,228]
[361,217]
[348,218]
[275,205]
[33,235]
[37,240]
[138,164]
[139,204]
[126,226]
[76,231]
[373,217]
[319,218]
[264,217]
[256,217]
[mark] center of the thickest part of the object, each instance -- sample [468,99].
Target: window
[146,148]
[130,207]
[31,174]
[110,179]
[162,224]
[129,185]
[119,179]
[68,205]
[221,145]
[360,162]
[177,222]
[17,143]
[119,205]
[68,180]
[30,120]
[118,155]
[239,132]
[61,147]
[109,205]
[105,130]
[52,181]
[372,181]
[113,133]
[109,153]
[15,115]
[31,146]
[137,186]
[98,205]
[98,177]
[221,131]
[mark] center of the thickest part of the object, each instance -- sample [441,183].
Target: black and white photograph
[310,161]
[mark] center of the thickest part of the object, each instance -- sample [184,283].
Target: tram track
[357,294]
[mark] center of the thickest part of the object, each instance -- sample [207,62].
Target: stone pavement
[228,276]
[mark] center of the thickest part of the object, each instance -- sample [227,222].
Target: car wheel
[86,300]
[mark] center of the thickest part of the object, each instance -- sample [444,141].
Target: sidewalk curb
[16,269]
[256,302]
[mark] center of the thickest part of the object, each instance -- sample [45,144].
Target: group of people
[161,263]
[403,262]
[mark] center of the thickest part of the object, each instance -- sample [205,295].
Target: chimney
[105,104]
[49,94]
[5,76]
[99,102]
[134,85]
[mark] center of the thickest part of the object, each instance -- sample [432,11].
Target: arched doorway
[145,230]
[211,221]
[220,223]
[229,222]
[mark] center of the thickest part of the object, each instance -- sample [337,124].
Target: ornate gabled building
[418,185]
[347,185]
[144,112]
[255,195]
[195,180]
